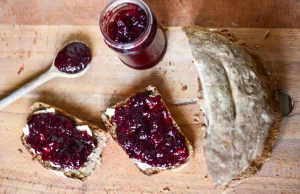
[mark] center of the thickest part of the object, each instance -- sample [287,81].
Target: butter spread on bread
[238,98]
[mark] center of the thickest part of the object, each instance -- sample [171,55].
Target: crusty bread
[149,170]
[238,98]
[90,165]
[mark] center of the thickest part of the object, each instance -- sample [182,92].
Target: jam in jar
[130,28]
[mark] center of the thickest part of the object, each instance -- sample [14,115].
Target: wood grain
[109,81]
[212,13]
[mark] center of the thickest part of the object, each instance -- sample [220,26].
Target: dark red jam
[146,132]
[128,24]
[55,138]
[73,58]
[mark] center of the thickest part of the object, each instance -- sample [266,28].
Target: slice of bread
[143,167]
[93,161]
[238,98]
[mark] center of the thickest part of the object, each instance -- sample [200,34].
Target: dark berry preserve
[73,58]
[130,28]
[128,24]
[147,132]
[55,138]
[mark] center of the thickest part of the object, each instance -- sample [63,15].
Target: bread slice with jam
[145,130]
[63,143]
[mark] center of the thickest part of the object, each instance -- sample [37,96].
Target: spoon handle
[26,88]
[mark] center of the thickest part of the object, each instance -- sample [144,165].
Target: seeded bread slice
[92,162]
[143,167]
[238,98]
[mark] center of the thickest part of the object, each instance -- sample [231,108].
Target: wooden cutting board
[32,48]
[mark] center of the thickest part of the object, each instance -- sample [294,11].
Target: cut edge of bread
[256,164]
[149,170]
[92,162]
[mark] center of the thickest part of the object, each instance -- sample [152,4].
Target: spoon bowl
[60,73]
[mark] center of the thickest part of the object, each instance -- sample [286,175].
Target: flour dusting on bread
[239,102]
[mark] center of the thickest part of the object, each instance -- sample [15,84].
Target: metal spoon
[51,73]
[286,102]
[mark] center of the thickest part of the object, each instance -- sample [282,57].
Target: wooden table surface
[44,26]
[208,13]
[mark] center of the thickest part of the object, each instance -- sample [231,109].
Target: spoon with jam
[73,60]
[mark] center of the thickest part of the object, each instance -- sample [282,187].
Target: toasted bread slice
[238,98]
[143,167]
[93,161]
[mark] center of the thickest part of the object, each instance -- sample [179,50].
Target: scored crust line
[231,94]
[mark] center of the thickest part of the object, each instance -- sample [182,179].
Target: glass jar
[144,52]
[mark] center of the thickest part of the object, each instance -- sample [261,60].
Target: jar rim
[129,45]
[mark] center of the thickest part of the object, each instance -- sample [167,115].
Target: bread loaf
[238,98]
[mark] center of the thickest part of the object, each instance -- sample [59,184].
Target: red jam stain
[128,24]
[55,138]
[73,58]
[146,132]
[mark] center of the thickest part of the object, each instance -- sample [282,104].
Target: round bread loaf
[238,98]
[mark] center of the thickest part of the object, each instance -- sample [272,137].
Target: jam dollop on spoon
[73,60]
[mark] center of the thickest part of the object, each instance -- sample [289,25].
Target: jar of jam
[130,28]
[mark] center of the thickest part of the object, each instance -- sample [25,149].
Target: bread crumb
[21,151]
[196,118]
[183,87]
[171,64]
[266,34]
[234,24]
[21,68]
[166,190]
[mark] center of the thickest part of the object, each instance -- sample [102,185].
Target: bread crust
[222,49]
[90,165]
[153,170]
